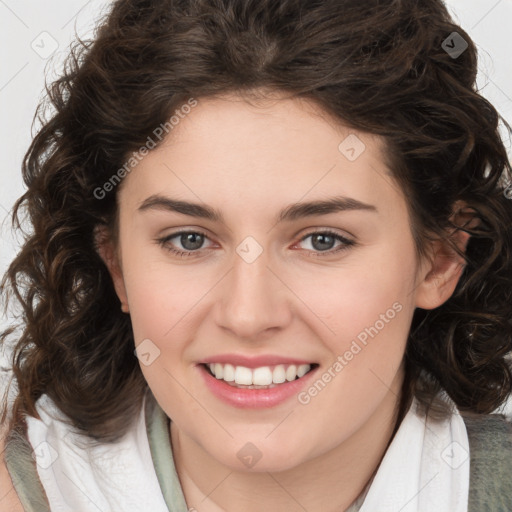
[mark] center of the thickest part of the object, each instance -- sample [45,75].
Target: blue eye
[191,241]
[322,243]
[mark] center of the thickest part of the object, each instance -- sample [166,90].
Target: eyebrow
[290,213]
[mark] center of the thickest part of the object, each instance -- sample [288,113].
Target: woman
[270,266]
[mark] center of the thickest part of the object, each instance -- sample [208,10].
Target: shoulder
[490,445]
[492,432]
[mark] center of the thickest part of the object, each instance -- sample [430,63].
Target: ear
[442,268]
[106,249]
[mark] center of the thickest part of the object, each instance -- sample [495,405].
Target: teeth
[243,375]
[262,376]
[218,370]
[229,373]
[278,375]
[291,372]
[303,369]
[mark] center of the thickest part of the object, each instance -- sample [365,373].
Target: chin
[251,459]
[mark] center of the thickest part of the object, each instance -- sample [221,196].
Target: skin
[249,162]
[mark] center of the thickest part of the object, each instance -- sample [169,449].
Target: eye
[323,242]
[191,241]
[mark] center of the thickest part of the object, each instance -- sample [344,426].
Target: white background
[29,28]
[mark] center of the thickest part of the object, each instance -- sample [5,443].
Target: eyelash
[346,243]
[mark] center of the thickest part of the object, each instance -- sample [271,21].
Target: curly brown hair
[381,67]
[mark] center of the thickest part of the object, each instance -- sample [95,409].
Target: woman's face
[299,253]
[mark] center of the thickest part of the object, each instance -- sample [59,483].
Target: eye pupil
[196,240]
[323,239]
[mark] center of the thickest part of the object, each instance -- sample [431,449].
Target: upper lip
[254,361]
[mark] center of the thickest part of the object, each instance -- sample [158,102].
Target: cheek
[161,295]
[365,309]
[365,291]
[370,310]
[163,305]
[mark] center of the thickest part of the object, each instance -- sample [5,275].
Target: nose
[253,300]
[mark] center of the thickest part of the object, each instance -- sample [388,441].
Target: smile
[256,388]
[257,378]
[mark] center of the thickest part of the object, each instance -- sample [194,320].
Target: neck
[330,482]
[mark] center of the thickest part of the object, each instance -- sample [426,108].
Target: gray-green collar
[161,452]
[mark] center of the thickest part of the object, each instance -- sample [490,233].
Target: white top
[79,478]
[425,469]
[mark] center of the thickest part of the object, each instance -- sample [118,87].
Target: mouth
[263,377]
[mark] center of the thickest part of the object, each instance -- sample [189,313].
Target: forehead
[262,153]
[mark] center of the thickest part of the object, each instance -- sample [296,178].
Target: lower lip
[254,398]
